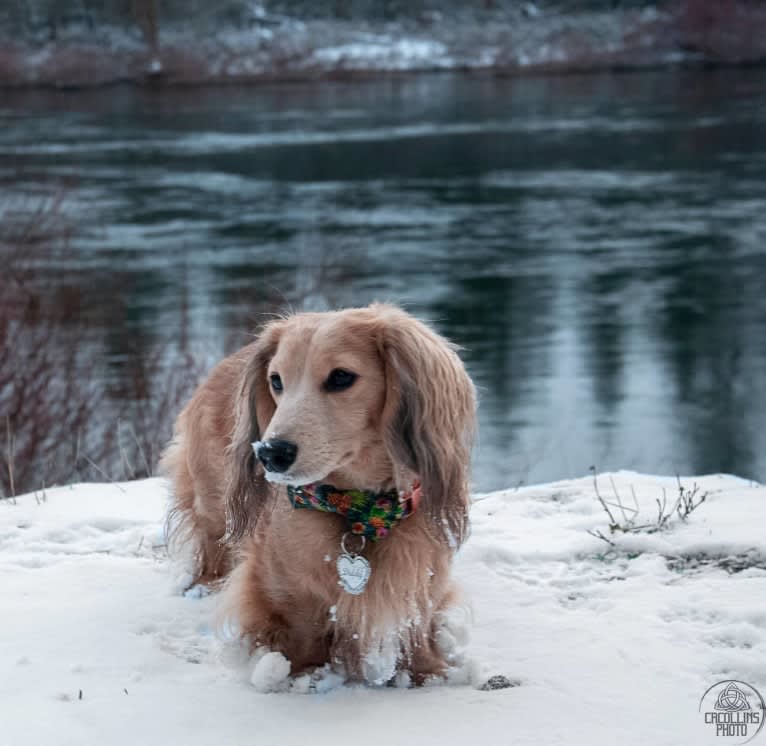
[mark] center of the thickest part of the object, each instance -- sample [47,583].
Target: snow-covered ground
[608,645]
[97,43]
[206,47]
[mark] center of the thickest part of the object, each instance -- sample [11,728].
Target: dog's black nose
[277,455]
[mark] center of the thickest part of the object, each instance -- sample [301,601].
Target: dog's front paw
[197,590]
[321,680]
[271,673]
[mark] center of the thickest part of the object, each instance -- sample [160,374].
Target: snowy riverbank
[608,645]
[249,42]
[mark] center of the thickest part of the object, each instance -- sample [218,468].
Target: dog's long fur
[410,415]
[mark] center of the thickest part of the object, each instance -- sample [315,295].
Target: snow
[271,673]
[385,53]
[600,644]
[210,47]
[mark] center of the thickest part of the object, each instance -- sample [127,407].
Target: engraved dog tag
[354,572]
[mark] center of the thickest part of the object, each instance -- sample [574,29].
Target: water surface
[595,244]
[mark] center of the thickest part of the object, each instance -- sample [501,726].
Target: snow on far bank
[243,42]
[609,645]
[209,48]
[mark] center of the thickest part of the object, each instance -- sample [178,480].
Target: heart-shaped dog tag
[354,572]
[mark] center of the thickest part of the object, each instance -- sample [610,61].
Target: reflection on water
[596,244]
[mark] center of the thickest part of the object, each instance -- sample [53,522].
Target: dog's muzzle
[276,455]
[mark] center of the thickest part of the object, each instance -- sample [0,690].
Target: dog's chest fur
[309,543]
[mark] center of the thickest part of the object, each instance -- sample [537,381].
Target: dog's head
[360,398]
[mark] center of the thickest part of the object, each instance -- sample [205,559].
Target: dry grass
[623,517]
[60,420]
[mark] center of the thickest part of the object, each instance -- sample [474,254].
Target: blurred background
[574,192]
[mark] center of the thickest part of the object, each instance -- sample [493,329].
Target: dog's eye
[339,380]
[276,382]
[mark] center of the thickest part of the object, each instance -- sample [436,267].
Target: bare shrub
[687,501]
[60,420]
[156,385]
[146,16]
[44,396]
[729,31]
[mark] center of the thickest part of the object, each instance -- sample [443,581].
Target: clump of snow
[302,684]
[271,673]
[325,679]
[270,676]
[379,663]
[197,591]
[452,634]
[572,640]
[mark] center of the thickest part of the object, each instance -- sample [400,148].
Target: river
[596,244]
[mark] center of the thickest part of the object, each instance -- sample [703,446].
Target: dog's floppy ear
[429,416]
[247,489]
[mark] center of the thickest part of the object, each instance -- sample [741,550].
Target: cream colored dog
[363,402]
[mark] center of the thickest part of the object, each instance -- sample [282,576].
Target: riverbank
[82,50]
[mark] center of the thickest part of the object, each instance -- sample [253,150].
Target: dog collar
[369,514]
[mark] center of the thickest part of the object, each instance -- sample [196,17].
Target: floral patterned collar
[369,514]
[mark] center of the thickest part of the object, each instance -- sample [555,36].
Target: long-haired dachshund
[322,472]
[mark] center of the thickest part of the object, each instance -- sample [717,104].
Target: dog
[335,437]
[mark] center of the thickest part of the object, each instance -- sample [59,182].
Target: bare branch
[686,503]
